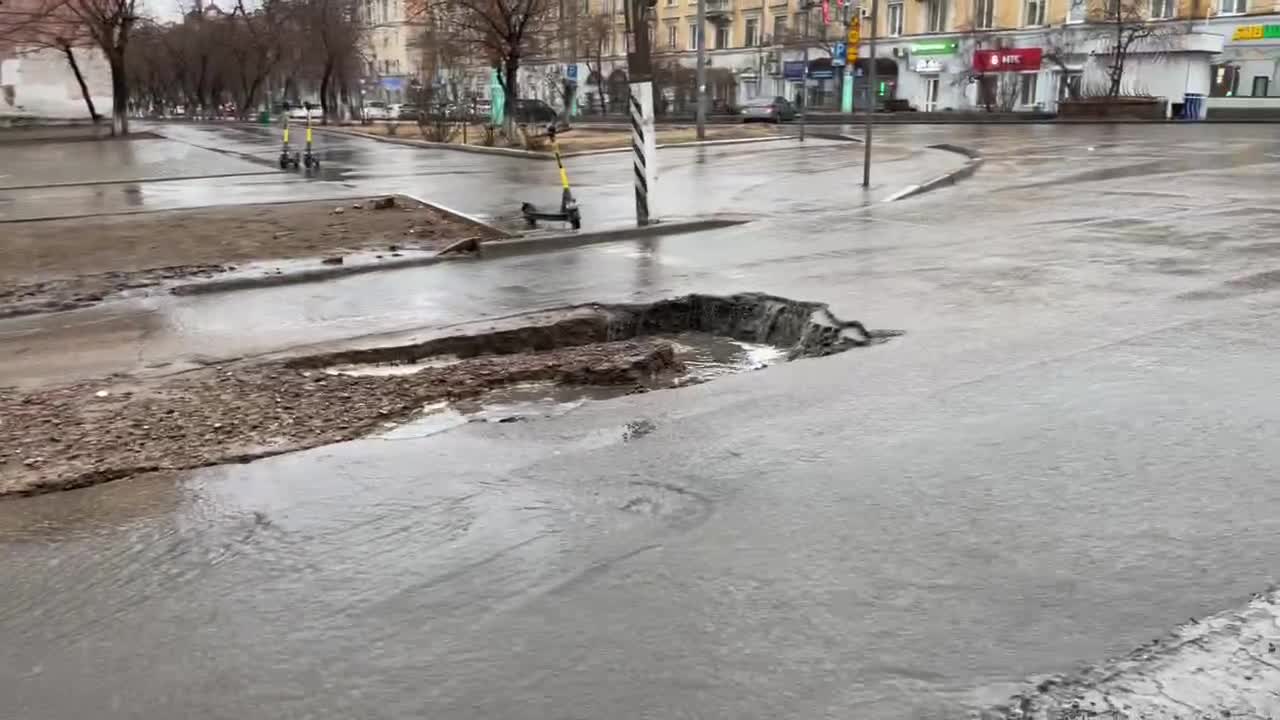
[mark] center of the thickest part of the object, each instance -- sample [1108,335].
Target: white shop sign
[928,66]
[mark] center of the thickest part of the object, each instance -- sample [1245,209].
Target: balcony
[719,10]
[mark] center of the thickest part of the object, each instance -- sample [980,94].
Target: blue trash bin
[1193,107]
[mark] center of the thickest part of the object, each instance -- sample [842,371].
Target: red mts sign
[1008,60]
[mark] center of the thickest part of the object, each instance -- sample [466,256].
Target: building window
[671,36]
[895,19]
[1027,89]
[1033,12]
[1232,7]
[1161,9]
[779,28]
[1261,85]
[750,36]
[722,37]
[1076,11]
[693,36]
[586,7]
[1225,80]
[937,16]
[984,14]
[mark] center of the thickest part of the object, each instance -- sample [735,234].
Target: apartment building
[392,61]
[949,54]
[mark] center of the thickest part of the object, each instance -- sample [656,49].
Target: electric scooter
[309,159]
[568,206]
[286,160]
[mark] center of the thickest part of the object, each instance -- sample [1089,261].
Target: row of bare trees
[210,59]
[287,49]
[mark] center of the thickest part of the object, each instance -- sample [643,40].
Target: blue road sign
[571,72]
[838,52]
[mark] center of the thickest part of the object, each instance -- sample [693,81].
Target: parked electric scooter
[568,205]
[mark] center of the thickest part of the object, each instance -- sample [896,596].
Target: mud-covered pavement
[1069,452]
[53,265]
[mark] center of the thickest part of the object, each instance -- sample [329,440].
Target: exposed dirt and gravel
[99,430]
[96,431]
[65,264]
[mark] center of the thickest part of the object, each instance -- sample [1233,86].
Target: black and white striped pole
[644,141]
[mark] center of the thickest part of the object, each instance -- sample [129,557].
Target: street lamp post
[702,70]
[871,97]
[804,76]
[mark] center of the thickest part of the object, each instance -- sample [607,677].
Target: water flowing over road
[1068,452]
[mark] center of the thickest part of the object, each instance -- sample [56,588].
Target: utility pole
[871,96]
[702,69]
[644,145]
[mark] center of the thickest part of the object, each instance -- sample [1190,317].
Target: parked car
[299,112]
[775,109]
[534,112]
[407,112]
[375,111]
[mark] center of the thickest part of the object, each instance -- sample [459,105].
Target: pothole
[562,358]
[534,365]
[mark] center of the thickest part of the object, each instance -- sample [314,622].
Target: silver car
[774,110]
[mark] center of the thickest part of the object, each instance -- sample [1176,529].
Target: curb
[461,216]
[519,246]
[492,248]
[969,168]
[478,149]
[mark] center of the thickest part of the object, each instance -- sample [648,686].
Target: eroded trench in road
[530,365]
[627,349]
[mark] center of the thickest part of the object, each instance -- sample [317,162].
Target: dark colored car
[775,110]
[408,112]
[534,112]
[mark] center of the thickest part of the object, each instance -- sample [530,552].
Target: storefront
[928,75]
[1249,65]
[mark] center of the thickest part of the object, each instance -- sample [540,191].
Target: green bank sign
[935,47]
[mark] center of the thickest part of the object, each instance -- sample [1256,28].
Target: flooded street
[1069,451]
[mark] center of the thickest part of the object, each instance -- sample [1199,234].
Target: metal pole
[702,69]
[640,101]
[804,76]
[871,97]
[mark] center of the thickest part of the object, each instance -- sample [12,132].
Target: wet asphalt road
[1070,451]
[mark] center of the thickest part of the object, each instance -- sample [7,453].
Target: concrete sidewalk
[145,158]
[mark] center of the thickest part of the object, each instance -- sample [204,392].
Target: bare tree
[335,29]
[255,44]
[33,36]
[442,58]
[1059,44]
[503,33]
[595,32]
[1123,27]
[106,24]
